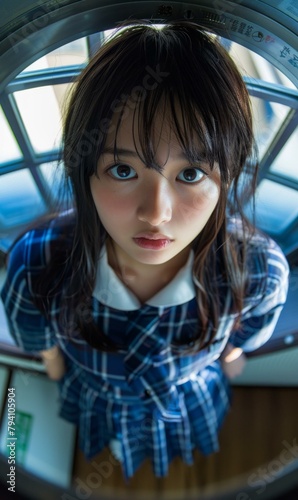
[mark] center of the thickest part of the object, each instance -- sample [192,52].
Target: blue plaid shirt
[156,398]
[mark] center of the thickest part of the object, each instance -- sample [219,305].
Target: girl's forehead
[127,129]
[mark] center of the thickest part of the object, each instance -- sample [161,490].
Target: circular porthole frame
[31,29]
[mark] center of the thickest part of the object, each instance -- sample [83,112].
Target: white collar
[111,291]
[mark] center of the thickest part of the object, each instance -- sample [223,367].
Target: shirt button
[147,393]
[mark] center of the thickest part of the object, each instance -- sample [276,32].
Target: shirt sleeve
[268,292]
[28,327]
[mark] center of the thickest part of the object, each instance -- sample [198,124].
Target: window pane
[286,163]
[9,149]
[252,64]
[41,110]
[276,207]
[72,54]
[267,119]
[268,116]
[52,173]
[20,200]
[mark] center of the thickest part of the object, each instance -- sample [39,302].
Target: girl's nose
[155,207]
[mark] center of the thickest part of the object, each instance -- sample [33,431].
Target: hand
[233,361]
[54,363]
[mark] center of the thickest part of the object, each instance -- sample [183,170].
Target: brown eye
[191,175]
[122,172]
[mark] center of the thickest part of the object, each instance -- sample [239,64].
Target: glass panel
[53,175]
[72,54]
[286,163]
[20,200]
[267,118]
[9,149]
[276,207]
[41,111]
[251,64]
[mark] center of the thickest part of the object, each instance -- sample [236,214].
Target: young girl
[144,295]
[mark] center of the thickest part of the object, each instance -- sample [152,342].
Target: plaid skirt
[204,400]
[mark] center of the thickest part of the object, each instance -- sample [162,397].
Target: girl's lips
[152,243]
[153,236]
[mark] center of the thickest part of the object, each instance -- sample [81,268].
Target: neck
[134,274]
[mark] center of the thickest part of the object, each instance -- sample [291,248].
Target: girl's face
[152,217]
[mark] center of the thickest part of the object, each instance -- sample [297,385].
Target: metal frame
[29,32]
[285,131]
[30,160]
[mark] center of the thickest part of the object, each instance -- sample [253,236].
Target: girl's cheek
[111,203]
[211,190]
[209,194]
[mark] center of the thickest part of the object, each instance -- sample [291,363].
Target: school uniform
[153,397]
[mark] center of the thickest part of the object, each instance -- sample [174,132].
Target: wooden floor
[256,437]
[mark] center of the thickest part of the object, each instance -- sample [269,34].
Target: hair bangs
[173,109]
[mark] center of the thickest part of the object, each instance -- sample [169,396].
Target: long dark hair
[181,67]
